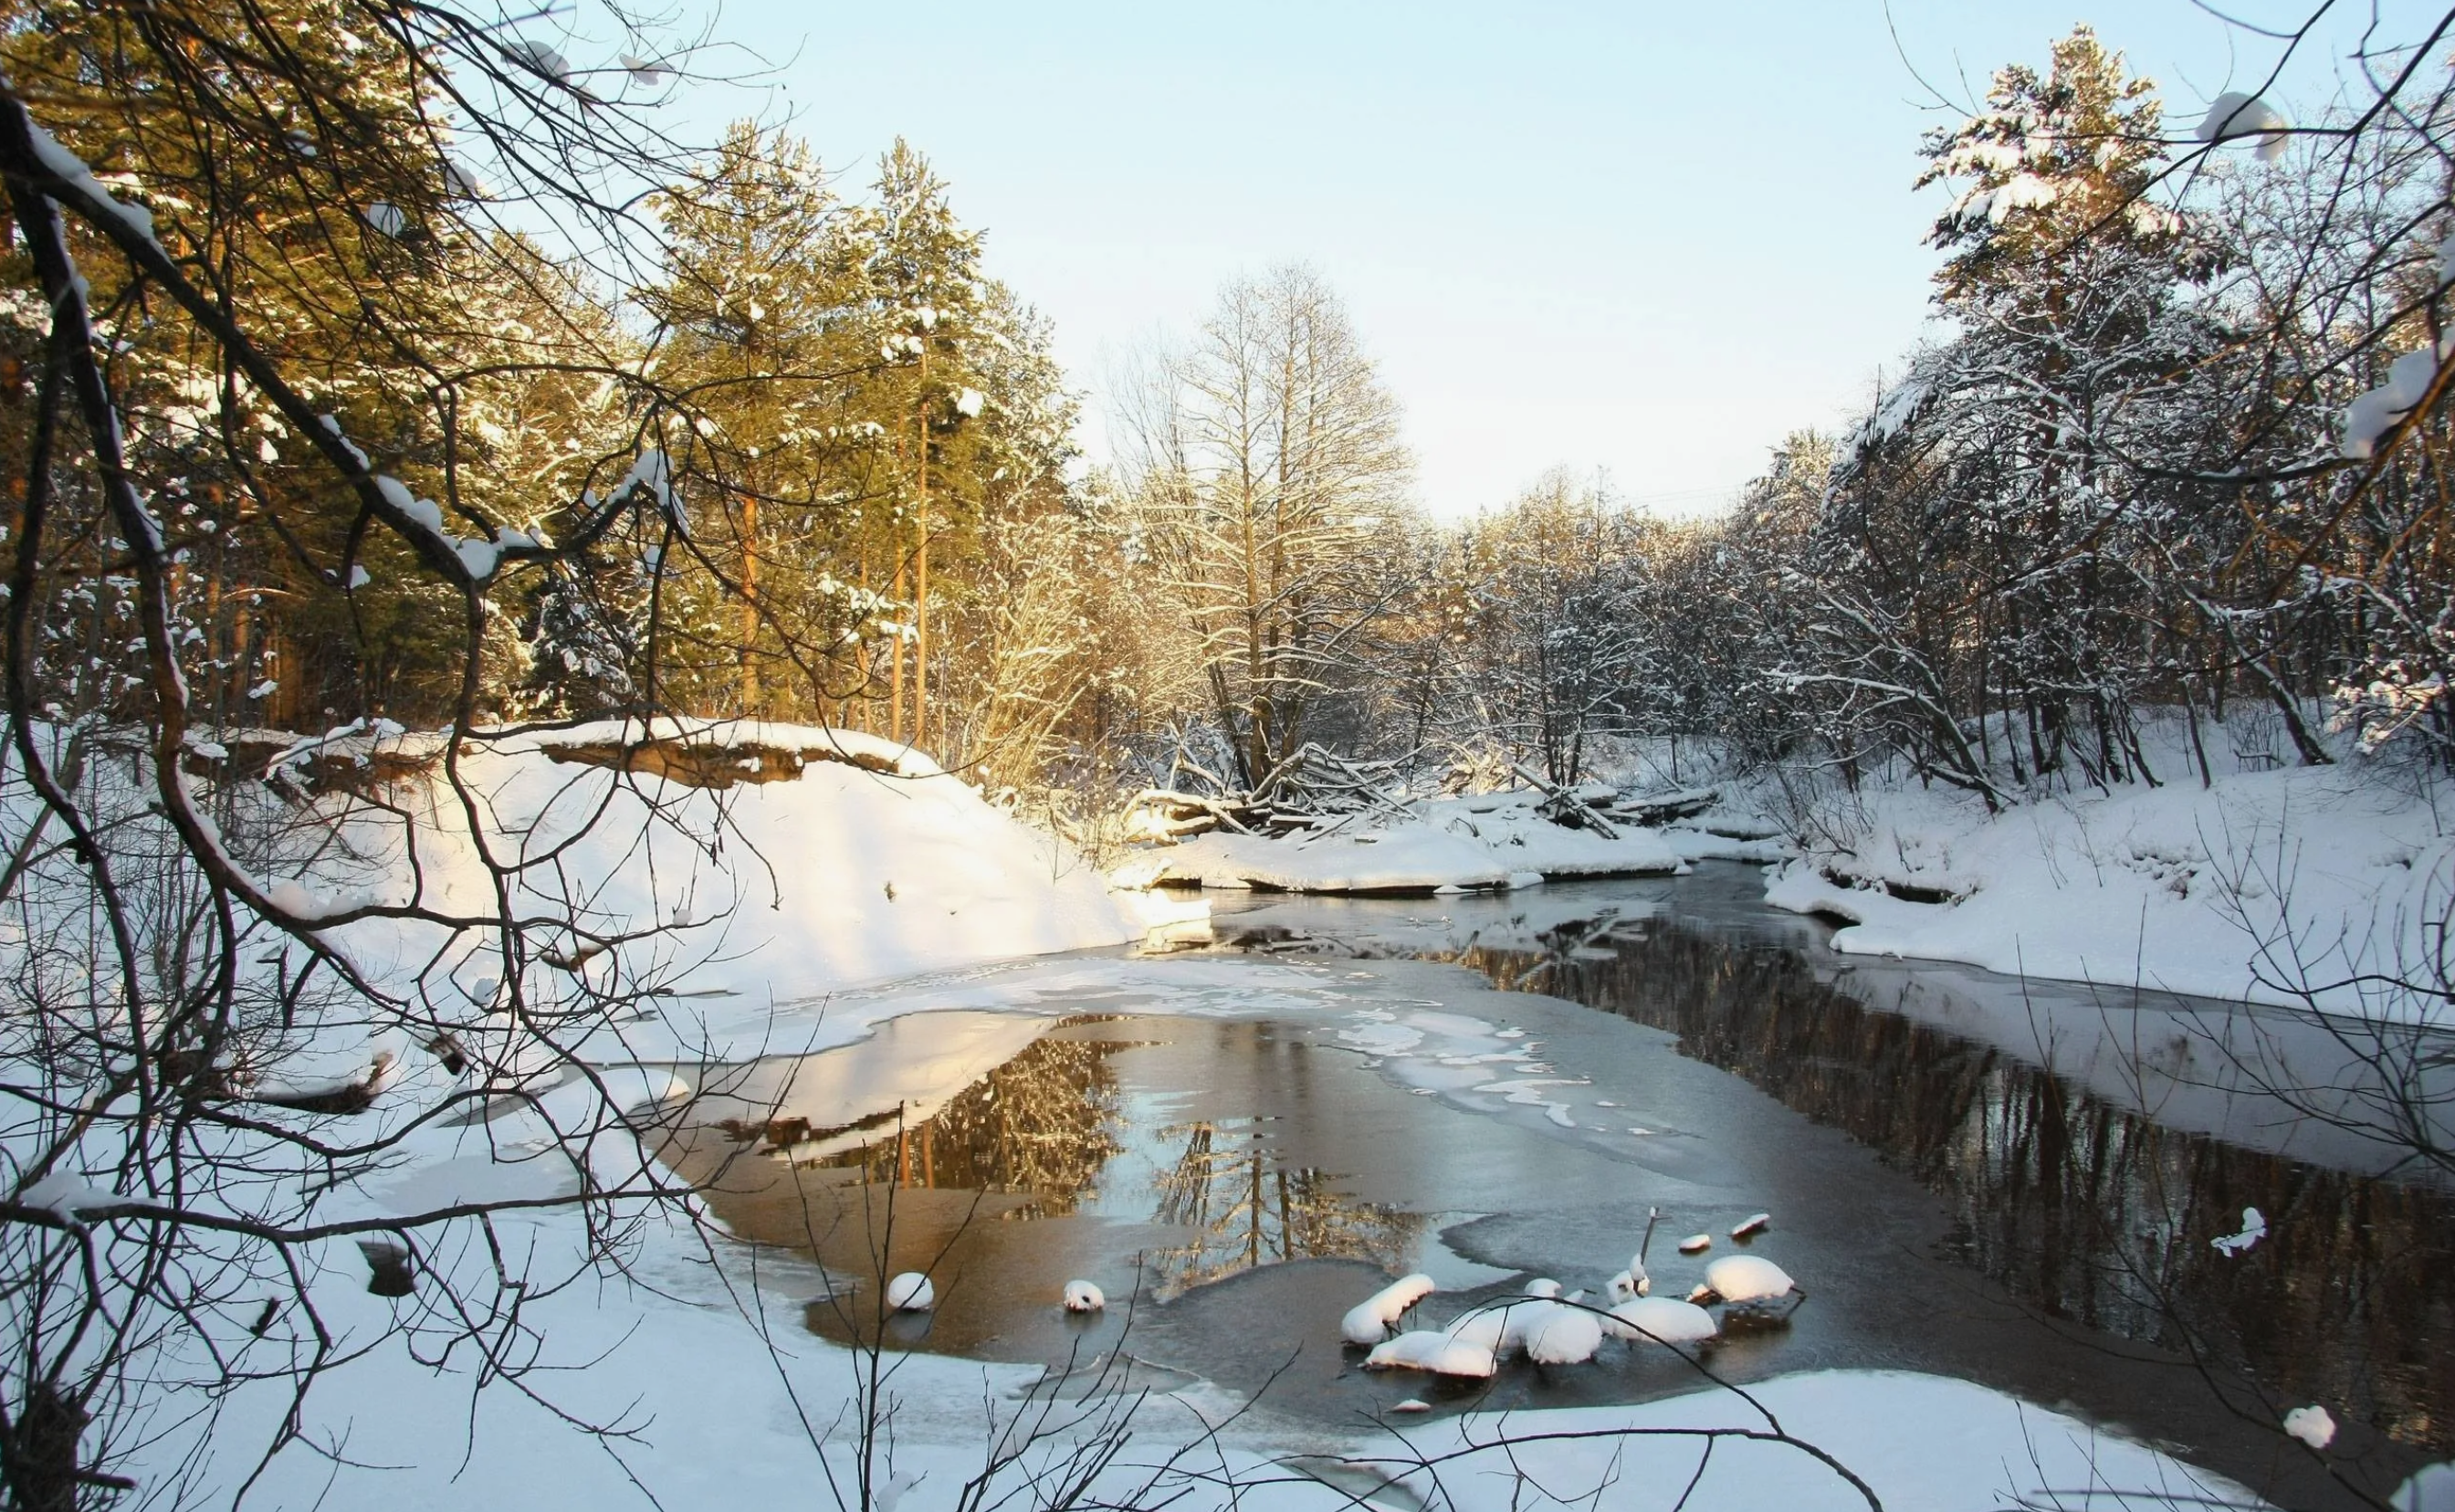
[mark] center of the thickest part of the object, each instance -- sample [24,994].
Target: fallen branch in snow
[1562,805]
[698,761]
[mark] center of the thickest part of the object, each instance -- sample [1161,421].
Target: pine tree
[761,322]
[1990,541]
[926,298]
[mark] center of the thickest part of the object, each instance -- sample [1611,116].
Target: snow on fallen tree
[1437,846]
[1415,858]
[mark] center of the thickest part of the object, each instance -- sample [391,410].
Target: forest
[2141,474]
[392,387]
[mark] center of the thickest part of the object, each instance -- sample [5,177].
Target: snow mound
[1662,1321]
[1370,1322]
[776,863]
[1433,1352]
[1564,1336]
[1739,1278]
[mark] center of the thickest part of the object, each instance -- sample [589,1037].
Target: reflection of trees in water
[1247,1209]
[1041,1123]
[2081,1207]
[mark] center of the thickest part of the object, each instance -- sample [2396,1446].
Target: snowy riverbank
[738,860]
[801,924]
[2277,886]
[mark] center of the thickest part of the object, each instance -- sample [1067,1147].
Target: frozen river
[2012,1183]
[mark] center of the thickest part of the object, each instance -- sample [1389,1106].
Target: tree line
[2179,454]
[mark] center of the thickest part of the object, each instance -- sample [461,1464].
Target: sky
[1645,239]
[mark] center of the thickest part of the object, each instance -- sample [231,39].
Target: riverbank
[2324,886]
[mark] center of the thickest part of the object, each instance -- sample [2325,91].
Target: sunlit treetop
[2053,162]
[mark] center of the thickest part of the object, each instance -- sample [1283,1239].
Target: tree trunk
[749,603]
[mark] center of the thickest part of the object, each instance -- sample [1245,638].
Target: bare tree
[1268,477]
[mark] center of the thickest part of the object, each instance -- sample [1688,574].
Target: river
[2012,1182]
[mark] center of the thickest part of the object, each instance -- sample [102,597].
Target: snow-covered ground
[871,863]
[2259,886]
[800,913]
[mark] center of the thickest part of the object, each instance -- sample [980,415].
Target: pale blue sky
[1647,237]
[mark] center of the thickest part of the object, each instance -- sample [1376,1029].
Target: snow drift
[770,862]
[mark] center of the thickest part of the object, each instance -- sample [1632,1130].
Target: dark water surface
[2014,1184]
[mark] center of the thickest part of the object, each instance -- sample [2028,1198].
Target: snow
[2254,1228]
[2431,1489]
[1742,1278]
[1415,858]
[1662,1321]
[1494,841]
[2312,1425]
[1489,1327]
[1159,916]
[871,864]
[805,946]
[1509,826]
[652,472]
[2261,884]
[1899,406]
[2367,418]
[1433,1351]
[720,1417]
[1700,841]
[2234,115]
[1082,1297]
[2408,378]
[1564,1336]
[72,170]
[1370,1322]
[911,1292]
[1921,1442]
[68,1195]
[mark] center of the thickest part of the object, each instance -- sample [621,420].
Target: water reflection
[2086,1208]
[924,1147]
[1040,1125]
[1244,1206]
